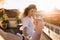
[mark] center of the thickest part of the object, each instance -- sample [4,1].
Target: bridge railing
[52,27]
[52,31]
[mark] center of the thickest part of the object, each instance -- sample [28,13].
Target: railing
[54,28]
[52,31]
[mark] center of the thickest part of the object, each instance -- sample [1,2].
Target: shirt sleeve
[25,23]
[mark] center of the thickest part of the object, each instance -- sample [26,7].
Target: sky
[45,5]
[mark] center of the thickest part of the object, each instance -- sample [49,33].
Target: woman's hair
[27,9]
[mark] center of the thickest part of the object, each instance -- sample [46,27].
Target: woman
[29,22]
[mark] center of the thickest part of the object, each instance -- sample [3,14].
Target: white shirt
[28,22]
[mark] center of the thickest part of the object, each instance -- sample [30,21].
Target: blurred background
[48,9]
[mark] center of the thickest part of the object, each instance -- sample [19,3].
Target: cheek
[31,14]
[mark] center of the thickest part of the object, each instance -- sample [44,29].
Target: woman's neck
[29,16]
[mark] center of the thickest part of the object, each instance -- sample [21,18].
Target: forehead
[33,10]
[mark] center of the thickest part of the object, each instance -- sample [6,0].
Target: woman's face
[32,12]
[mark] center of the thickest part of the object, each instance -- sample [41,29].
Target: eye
[33,11]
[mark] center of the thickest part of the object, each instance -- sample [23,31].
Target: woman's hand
[38,24]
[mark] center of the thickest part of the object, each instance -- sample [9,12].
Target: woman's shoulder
[25,19]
